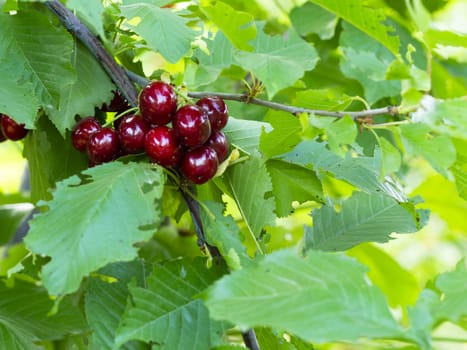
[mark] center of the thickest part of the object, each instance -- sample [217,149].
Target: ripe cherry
[216,110]
[192,125]
[11,129]
[157,103]
[2,137]
[82,131]
[200,164]
[103,146]
[163,147]
[132,131]
[118,104]
[220,144]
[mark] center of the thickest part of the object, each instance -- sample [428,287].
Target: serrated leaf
[285,135]
[112,205]
[24,316]
[41,55]
[163,30]
[390,157]
[237,26]
[362,218]
[249,182]
[105,301]
[459,168]
[324,99]
[291,183]
[321,298]
[46,146]
[364,17]
[91,13]
[438,150]
[92,88]
[311,18]
[245,134]
[167,313]
[223,232]
[342,131]
[11,216]
[366,61]
[278,63]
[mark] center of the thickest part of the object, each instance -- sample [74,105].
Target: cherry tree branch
[80,31]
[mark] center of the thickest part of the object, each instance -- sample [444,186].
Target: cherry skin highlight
[218,141]
[199,165]
[11,129]
[82,131]
[132,132]
[163,147]
[157,103]
[103,146]
[216,110]
[192,125]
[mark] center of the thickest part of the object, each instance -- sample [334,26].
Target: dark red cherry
[216,110]
[82,131]
[200,164]
[218,141]
[157,103]
[2,137]
[132,132]
[11,129]
[163,147]
[118,104]
[103,146]
[192,125]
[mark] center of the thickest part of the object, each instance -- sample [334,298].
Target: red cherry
[82,131]
[157,103]
[11,129]
[218,141]
[132,131]
[2,137]
[192,125]
[163,147]
[216,110]
[118,104]
[200,164]
[103,146]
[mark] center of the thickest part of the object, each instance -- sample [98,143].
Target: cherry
[118,104]
[157,103]
[200,164]
[163,147]
[220,144]
[2,137]
[132,131]
[216,110]
[82,131]
[103,146]
[11,129]
[192,125]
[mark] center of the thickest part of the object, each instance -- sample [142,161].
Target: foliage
[111,257]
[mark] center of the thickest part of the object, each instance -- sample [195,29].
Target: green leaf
[223,232]
[245,134]
[285,135]
[366,18]
[92,88]
[24,316]
[385,272]
[237,26]
[111,205]
[106,299]
[311,18]
[168,303]
[391,159]
[163,30]
[367,61]
[278,63]
[11,216]
[91,13]
[459,169]
[362,218]
[320,298]
[324,99]
[444,116]
[438,150]
[249,182]
[291,183]
[342,131]
[46,146]
[31,47]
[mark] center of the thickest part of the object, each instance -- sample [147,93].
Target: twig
[80,31]
[245,98]
[250,340]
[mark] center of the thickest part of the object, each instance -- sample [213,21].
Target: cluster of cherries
[11,130]
[187,138]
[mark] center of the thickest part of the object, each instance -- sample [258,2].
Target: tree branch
[80,31]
